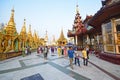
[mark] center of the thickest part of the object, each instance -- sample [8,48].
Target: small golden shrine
[62,40]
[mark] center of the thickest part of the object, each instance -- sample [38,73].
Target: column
[76,38]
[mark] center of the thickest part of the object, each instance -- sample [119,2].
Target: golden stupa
[62,40]
[11,41]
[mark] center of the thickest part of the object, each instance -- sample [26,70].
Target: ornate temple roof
[11,21]
[10,28]
[78,26]
[105,14]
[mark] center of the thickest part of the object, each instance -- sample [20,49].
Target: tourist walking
[38,50]
[65,51]
[71,55]
[77,58]
[85,58]
[23,51]
[45,52]
[87,49]
[62,50]
[59,51]
[52,50]
[26,51]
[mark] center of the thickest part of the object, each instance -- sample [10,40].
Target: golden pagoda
[30,38]
[35,40]
[10,35]
[62,40]
[23,35]
[12,42]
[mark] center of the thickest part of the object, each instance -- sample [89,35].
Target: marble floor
[57,68]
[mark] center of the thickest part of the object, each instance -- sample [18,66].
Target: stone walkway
[57,68]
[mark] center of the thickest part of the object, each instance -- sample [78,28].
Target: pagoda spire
[61,35]
[24,27]
[11,29]
[11,21]
[46,36]
[29,32]
[77,9]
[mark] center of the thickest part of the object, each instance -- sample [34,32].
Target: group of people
[26,51]
[71,52]
[85,56]
[62,51]
[44,50]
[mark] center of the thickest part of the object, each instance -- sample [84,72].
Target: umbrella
[69,44]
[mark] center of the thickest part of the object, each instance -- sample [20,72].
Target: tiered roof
[78,26]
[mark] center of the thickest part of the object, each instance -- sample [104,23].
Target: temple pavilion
[78,29]
[107,23]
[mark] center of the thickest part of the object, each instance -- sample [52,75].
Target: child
[77,58]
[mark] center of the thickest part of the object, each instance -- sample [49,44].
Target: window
[117,35]
[107,32]
[108,37]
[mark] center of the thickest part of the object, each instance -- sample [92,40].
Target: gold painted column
[0,45]
[12,44]
[114,35]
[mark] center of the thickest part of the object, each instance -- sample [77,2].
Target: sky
[47,15]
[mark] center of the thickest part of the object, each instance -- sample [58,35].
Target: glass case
[117,35]
[111,36]
[107,32]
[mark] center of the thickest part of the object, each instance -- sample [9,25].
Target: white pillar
[76,39]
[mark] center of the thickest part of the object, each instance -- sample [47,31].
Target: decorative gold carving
[110,48]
